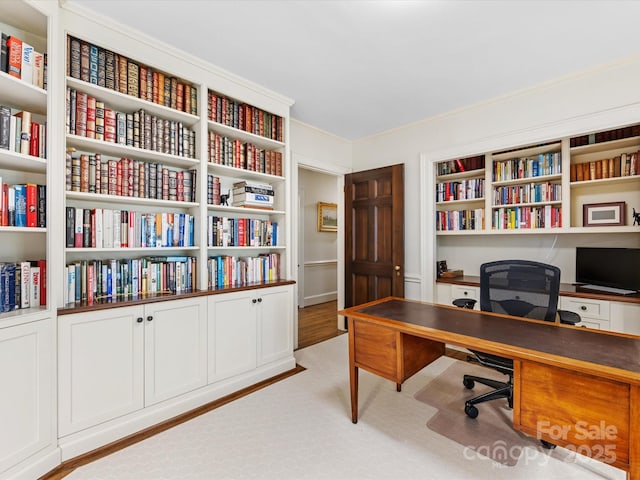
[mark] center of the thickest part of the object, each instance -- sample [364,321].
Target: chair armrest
[464,302]
[568,318]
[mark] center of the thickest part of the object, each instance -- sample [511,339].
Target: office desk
[573,387]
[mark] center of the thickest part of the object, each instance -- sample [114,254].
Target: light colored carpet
[300,428]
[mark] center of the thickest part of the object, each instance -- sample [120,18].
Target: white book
[78,227]
[34,287]
[164,226]
[107,228]
[28,60]
[13,125]
[38,69]
[116,228]
[71,284]
[25,284]
[99,228]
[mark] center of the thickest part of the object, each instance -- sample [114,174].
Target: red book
[81,114]
[43,282]
[34,142]
[14,49]
[5,204]
[460,165]
[91,116]
[32,205]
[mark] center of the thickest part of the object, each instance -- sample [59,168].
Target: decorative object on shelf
[327,217]
[603,214]
[224,198]
[441,267]
[452,273]
[636,217]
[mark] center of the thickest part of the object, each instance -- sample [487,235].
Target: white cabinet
[248,329]
[116,361]
[625,317]
[593,313]
[447,293]
[175,348]
[26,405]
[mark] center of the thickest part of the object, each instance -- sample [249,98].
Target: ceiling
[360,67]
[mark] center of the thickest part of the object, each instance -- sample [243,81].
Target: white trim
[321,263]
[428,249]
[320,298]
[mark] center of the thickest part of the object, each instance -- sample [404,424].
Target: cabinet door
[275,324]
[625,317]
[26,377]
[175,348]
[232,334]
[100,366]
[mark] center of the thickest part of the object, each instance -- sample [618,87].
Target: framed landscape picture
[327,217]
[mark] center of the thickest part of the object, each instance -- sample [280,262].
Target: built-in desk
[573,387]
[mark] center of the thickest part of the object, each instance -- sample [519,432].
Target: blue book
[8,287]
[93,64]
[21,205]
[181,230]
[274,234]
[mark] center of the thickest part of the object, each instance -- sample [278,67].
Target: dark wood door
[374,234]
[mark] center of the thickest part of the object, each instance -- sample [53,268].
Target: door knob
[397,269]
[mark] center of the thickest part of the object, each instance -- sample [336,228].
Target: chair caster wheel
[471,411]
[548,445]
[468,383]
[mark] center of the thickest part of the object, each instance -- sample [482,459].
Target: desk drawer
[464,291]
[587,308]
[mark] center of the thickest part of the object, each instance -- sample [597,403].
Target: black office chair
[514,287]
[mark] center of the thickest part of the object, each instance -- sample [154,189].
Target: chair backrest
[520,287]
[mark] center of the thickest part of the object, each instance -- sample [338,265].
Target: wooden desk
[573,387]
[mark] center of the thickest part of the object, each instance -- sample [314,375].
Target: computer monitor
[609,267]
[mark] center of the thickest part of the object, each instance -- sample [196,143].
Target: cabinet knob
[254,300]
[139,319]
[149,318]
[583,307]
[466,293]
[259,300]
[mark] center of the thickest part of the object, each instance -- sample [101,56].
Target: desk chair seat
[514,287]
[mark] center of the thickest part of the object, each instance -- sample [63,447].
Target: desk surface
[599,348]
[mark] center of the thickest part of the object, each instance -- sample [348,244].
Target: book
[93,64]
[20,193]
[25,283]
[74,57]
[38,69]
[4,53]
[42,206]
[34,140]
[31,207]
[34,285]
[78,228]
[14,56]
[85,52]
[70,224]
[5,127]
[25,131]
[27,67]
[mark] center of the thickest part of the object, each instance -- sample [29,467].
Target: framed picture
[327,217]
[603,214]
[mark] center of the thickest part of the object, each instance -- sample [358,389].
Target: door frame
[300,161]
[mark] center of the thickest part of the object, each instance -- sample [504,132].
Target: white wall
[598,99]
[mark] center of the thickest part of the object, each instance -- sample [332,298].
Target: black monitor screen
[609,267]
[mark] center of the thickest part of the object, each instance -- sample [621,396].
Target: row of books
[460,165]
[513,218]
[20,60]
[105,68]
[23,285]
[623,165]
[21,134]
[99,281]
[247,156]
[470,219]
[240,115]
[227,271]
[89,117]
[106,228]
[461,190]
[213,190]
[528,167]
[529,193]
[91,173]
[608,136]
[23,205]
[241,232]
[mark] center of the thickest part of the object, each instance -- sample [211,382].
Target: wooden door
[374,234]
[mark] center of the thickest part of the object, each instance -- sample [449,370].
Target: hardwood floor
[317,323]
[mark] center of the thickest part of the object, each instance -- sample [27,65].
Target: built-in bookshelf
[131,192]
[542,188]
[23,165]
[246,206]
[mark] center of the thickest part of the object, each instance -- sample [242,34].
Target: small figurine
[636,217]
[224,199]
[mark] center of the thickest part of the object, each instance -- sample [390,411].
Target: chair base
[500,390]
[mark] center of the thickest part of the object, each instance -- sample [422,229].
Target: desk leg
[353,372]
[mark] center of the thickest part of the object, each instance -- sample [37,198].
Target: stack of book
[253,195]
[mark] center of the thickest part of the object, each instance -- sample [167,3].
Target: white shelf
[530,204]
[245,210]
[21,230]
[478,173]
[241,173]
[153,251]
[235,133]
[528,180]
[121,150]
[527,152]
[460,202]
[118,199]
[20,162]
[606,181]
[246,248]
[21,95]
[606,146]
